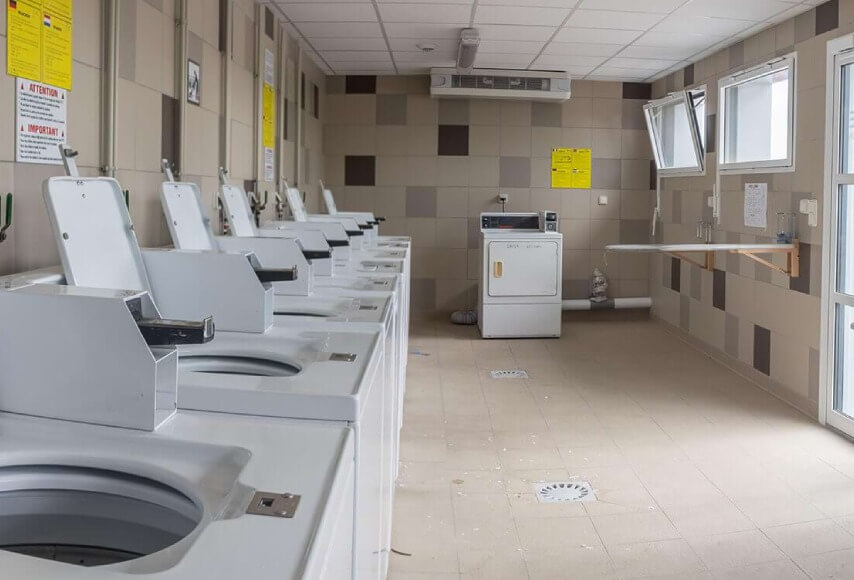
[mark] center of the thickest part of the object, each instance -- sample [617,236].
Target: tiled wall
[432,166]
[758,320]
[148,125]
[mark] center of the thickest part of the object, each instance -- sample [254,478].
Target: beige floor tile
[632,528]
[670,557]
[781,570]
[556,533]
[809,538]
[776,510]
[591,562]
[422,576]
[471,481]
[522,481]
[621,501]
[480,459]
[712,518]
[524,459]
[493,563]
[829,566]
[526,505]
[722,551]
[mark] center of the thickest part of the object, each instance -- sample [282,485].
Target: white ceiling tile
[751,10]
[598,36]
[613,20]
[717,26]
[334,12]
[508,32]
[410,30]
[579,71]
[582,48]
[634,51]
[349,43]
[522,15]
[411,44]
[361,66]
[678,39]
[544,3]
[520,46]
[642,63]
[429,58]
[340,29]
[562,61]
[502,60]
[654,6]
[466,2]
[355,56]
[421,13]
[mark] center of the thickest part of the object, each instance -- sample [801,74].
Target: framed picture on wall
[194,80]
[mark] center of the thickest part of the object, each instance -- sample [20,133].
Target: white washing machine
[520,275]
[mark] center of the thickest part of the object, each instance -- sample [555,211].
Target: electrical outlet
[603,200]
[503,197]
[809,207]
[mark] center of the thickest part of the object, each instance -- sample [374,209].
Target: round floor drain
[562,491]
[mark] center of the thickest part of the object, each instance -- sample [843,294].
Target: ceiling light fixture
[427,46]
[469,41]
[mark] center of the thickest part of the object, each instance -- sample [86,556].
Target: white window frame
[693,124]
[787,62]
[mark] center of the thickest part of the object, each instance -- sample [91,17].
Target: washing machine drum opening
[90,517]
[236,365]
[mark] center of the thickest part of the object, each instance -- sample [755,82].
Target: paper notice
[756,205]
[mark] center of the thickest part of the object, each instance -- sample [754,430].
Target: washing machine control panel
[543,221]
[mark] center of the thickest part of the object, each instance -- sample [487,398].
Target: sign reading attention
[268,116]
[38,40]
[40,122]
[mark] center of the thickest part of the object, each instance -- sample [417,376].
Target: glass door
[838,293]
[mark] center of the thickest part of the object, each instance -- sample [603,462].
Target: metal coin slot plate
[276,505]
[342,357]
[367,307]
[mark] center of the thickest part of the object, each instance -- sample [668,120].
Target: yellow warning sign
[38,40]
[571,168]
[269,116]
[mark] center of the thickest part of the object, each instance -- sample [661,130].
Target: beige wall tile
[452,202]
[452,171]
[483,139]
[515,141]
[484,112]
[483,171]
[452,232]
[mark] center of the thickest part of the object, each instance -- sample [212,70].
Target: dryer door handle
[497,269]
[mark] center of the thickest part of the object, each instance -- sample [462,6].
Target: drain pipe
[299,94]
[227,73]
[110,86]
[181,10]
[609,304]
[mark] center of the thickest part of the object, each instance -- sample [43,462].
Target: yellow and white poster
[571,168]
[268,116]
[39,41]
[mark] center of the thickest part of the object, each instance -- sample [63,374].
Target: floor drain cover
[560,491]
[508,374]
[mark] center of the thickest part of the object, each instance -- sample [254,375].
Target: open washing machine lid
[186,217]
[131,503]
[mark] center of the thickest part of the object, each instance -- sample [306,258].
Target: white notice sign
[40,122]
[756,205]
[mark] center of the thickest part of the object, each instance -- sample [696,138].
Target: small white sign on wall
[756,205]
[41,113]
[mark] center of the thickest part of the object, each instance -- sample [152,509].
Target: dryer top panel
[544,221]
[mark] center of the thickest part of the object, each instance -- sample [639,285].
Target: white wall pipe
[182,40]
[110,86]
[610,304]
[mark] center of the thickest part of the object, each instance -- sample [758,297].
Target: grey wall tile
[731,335]
[546,114]
[127,36]
[423,294]
[696,282]
[814,368]
[575,289]
[607,174]
[453,111]
[805,26]
[688,74]
[802,282]
[194,47]
[360,170]
[719,289]
[685,312]
[473,232]
[514,172]
[453,140]
[360,85]
[826,17]
[815,272]
[156,4]
[637,91]
[676,207]
[675,274]
[633,117]
[733,261]
[736,54]
[711,127]
[335,85]
[666,270]
[762,349]
[170,130]
[634,231]
[420,202]
[391,109]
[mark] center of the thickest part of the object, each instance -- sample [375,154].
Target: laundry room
[427,289]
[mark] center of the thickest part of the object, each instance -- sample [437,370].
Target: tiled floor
[699,474]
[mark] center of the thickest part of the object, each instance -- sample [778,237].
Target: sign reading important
[38,40]
[40,122]
[268,116]
[571,168]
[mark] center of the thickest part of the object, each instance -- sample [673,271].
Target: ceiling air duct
[469,40]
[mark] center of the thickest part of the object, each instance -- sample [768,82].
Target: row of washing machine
[227,408]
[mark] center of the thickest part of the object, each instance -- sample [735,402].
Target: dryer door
[523,268]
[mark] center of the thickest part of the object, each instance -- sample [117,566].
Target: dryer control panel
[543,221]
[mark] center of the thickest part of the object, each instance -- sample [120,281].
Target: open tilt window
[757,118]
[676,125]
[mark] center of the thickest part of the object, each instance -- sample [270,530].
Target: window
[757,118]
[676,127]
